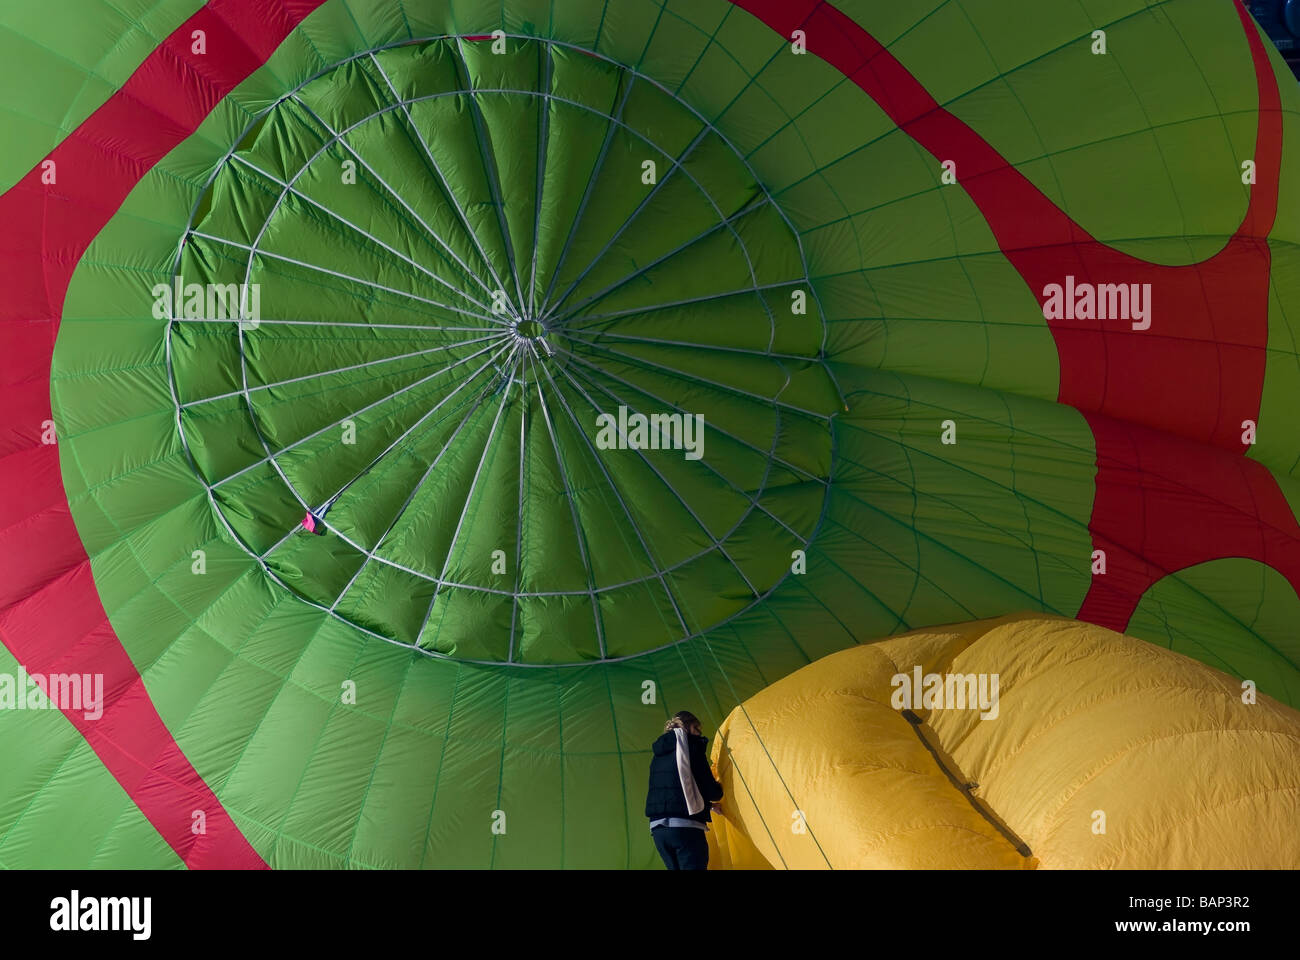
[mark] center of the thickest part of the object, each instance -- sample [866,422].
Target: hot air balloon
[411,406]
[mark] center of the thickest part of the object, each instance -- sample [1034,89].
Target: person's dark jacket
[665,797]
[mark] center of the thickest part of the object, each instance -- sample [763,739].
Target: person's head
[687,721]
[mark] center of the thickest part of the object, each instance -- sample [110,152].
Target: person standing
[682,789]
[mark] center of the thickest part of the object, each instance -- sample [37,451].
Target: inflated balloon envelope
[1105,752]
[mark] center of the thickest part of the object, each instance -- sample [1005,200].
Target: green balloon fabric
[379,406]
[475,384]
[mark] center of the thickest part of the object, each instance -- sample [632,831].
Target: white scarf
[694,802]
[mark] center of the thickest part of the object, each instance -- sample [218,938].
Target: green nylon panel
[320,227]
[1233,614]
[83,53]
[61,809]
[1168,103]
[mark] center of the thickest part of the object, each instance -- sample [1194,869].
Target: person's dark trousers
[683,848]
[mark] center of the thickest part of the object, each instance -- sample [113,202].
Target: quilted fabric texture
[1103,751]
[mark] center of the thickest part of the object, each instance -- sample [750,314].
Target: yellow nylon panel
[870,792]
[1092,730]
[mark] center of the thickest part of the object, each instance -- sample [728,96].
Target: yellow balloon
[1023,742]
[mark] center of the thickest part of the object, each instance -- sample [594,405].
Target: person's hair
[684,719]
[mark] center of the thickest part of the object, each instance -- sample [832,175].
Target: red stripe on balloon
[1166,404]
[51,617]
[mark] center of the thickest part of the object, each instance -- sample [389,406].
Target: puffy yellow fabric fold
[1102,751]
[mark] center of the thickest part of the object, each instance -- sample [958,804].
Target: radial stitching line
[365,325]
[578,532]
[255,252]
[761,354]
[491,361]
[753,501]
[673,490]
[610,481]
[605,373]
[543,152]
[519,535]
[803,258]
[328,426]
[442,180]
[512,364]
[490,170]
[340,137]
[294,191]
[668,305]
[676,164]
[724,223]
[586,193]
[752,498]
[633,360]
[372,553]
[329,373]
